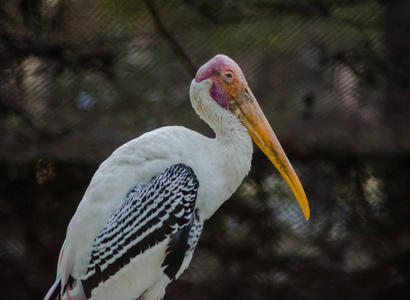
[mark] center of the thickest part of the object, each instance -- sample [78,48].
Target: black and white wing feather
[164,208]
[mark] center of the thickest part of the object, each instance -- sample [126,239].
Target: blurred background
[78,78]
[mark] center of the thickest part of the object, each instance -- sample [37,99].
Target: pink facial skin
[216,69]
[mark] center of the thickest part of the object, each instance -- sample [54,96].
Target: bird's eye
[228,75]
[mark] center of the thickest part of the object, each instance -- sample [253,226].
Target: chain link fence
[80,78]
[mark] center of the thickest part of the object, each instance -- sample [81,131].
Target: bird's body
[140,219]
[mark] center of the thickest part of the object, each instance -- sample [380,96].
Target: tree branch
[178,50]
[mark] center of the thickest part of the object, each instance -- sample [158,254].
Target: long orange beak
[245,106]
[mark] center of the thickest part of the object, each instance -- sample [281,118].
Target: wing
[160,212]
[195,230]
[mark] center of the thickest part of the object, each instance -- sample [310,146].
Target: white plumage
[219,164]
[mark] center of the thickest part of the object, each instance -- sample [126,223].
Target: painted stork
[140,219]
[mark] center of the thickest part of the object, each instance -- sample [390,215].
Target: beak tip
[306,212]
[305,209]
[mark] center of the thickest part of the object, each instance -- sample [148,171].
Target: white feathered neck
[232,140]
[224,123]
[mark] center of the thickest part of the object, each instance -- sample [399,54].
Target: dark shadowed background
[78,78]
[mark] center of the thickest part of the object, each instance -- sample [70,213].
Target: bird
[140,219]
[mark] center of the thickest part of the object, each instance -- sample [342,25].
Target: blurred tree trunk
[396,116]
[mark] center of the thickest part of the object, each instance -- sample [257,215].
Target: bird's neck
[235,144]
[232,150]
[228,129]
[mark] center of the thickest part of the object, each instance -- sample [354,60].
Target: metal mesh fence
[80,78]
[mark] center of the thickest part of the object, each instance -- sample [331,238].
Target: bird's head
[227,78]
[231,91]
